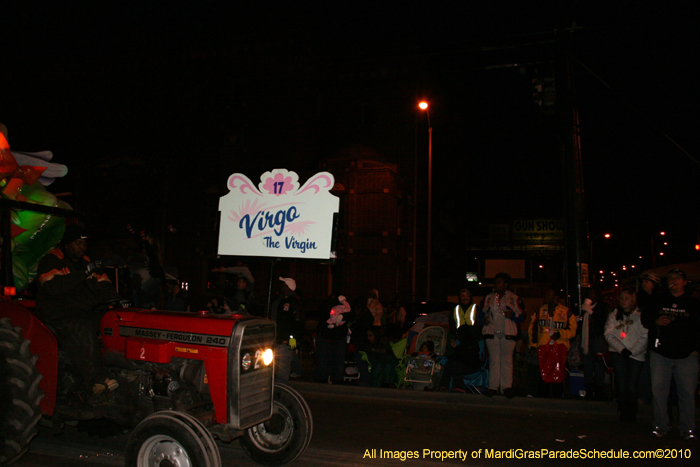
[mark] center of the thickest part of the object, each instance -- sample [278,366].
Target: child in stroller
[426,349]
[423,368]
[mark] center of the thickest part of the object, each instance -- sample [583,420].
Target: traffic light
[544,94]
[537,94]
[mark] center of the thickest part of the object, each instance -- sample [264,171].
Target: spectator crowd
[642,348]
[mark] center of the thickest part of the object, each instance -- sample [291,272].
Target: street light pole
[653,251]
[424,106]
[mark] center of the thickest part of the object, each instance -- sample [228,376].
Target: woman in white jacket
[627,339]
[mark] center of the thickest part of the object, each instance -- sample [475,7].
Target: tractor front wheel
[284,437]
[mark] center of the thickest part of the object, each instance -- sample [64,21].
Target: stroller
[423,371]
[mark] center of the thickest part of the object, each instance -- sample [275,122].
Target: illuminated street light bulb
[632,266]
[607,235]
[600,272]
[423,105]
[660,233]
[661,253]
[541,266]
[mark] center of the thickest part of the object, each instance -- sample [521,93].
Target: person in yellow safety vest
[465,312]
[463,356]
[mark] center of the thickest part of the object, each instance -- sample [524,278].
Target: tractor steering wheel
[112,304]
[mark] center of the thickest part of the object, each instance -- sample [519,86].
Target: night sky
[181,97]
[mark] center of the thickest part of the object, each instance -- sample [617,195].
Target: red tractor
[185,379]
[181,379]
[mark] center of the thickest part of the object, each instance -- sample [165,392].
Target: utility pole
[574,205]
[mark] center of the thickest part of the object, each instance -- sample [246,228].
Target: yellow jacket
[544,325]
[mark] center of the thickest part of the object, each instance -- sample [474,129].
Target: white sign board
[278,218]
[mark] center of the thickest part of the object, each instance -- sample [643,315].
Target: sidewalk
[572,404]
[442,399]
[568,404]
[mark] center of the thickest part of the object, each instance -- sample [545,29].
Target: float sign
[278,218]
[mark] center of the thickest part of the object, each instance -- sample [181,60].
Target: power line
[648,120]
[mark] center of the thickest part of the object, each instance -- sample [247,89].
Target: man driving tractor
[70,286]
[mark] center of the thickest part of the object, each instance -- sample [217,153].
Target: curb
[399,396]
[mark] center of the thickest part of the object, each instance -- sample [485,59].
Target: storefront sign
[278,218]
[538,231]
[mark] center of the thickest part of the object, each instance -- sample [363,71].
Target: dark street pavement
[407,420]
[352,423]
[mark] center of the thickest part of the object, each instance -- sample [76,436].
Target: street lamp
[424,106]
[653,254]
[590,244]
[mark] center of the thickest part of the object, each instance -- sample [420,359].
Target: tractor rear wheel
[19,386]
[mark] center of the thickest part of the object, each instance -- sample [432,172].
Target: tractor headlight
[246,361]
[267,357]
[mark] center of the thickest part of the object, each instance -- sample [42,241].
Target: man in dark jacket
[70,286]
[673,321]
[647,290]
[287,315]
[593,344]
[462,358]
